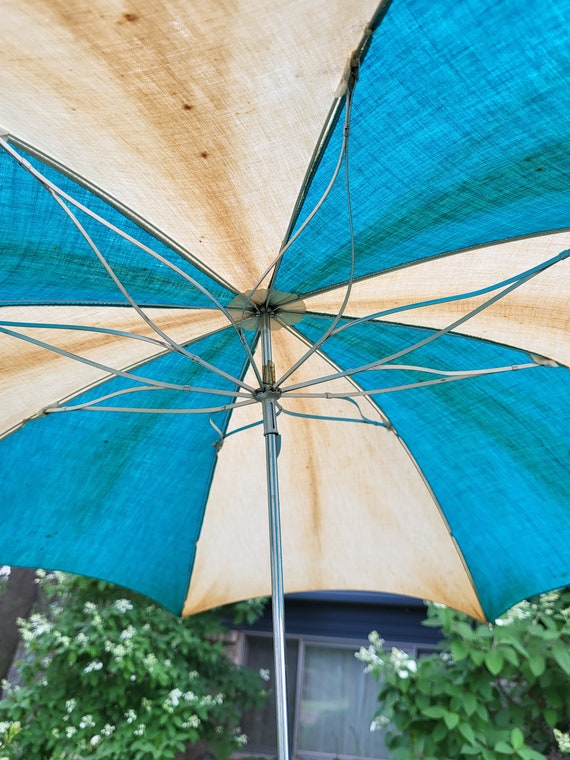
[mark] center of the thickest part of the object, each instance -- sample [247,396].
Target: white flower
[127,633]
[174,697]
[86,722]
[563,741]
[70,731]
[403,663]
[94,741]
[108,729]
[95,665]
[130,716]
[150,661]
[70,705]
[380,722]
[123,605]
[139,730]
[375,639]
[119,651]
[65,641]
[36,625]
[208,700]
[265,673]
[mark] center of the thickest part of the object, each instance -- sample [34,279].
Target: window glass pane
[259,724]
[337,705]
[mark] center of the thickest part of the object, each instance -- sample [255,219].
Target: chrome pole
[268,397]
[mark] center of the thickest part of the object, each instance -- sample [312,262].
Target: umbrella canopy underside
[391,184]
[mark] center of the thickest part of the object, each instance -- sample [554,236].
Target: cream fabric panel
[34,377]
[356,514]
[534,317]
[199,115]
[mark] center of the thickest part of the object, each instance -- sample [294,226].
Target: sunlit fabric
[391,186]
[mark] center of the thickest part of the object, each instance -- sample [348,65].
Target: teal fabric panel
[493,449]
[45,259]
[459,135]
[119,496]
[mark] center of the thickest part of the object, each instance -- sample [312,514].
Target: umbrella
[289,280]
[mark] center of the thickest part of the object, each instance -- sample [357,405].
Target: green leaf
[517,738]
[459,650]
[526,753]
[451,719]
[504,749]
[482,711]
[551,717]
[434,711]
[510,654]
[537,664]
[494,661]
[477,656]
[439,732]
[470,749]
[469,703]
[465,630]
[467,732]
[425,687]
[561,654]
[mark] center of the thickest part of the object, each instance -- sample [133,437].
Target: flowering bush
[492,691]
[111,677]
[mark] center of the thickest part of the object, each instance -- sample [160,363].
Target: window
[331,701]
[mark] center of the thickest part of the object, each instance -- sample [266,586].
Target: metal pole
[268,398]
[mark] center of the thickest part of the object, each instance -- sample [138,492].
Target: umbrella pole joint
[267,398]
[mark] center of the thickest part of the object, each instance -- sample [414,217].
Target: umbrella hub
[267,393]
[284,308]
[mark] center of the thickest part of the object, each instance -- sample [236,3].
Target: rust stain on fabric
[158,48]
[311,475]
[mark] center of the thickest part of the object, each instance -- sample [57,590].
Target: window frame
[302,641]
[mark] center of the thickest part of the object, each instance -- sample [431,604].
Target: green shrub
[492,691]
[108,674]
